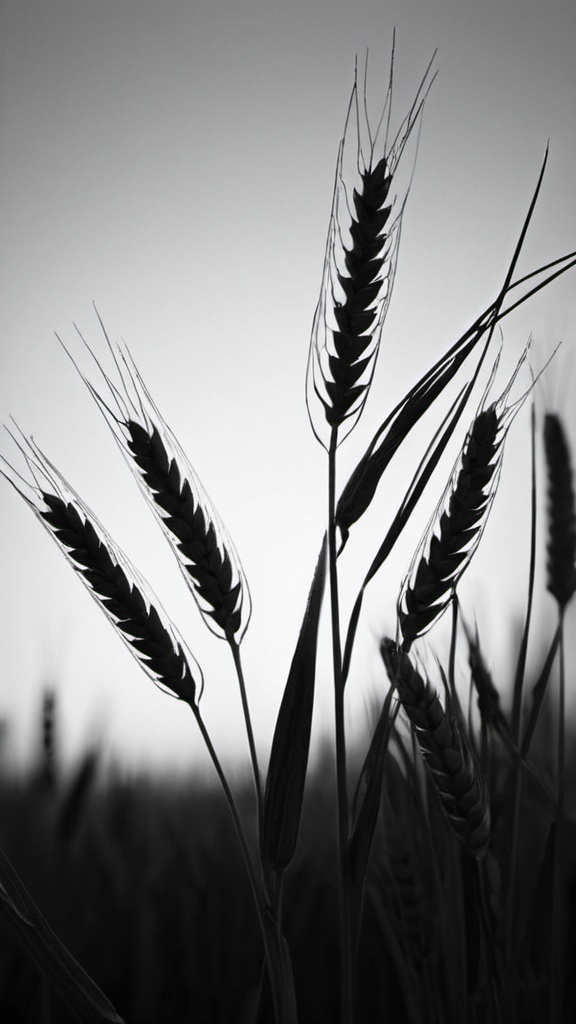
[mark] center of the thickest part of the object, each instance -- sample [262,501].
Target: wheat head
[359,265]
[110,578]
[456,527]
[449,759]
[203,548]
[561,563]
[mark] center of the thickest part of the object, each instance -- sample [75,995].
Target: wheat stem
[279,971]
[235,649]
[346,1001]
[557,945]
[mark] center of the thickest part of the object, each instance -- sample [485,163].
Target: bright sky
[174,162]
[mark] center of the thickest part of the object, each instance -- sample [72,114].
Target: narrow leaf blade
[290,746]
[21,915]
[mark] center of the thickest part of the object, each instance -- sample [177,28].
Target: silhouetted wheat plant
[427,906]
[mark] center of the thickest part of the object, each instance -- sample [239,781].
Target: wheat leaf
[21,915]
[539,691]
[290,746]
[367,801]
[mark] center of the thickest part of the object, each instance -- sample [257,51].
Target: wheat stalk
[458,523]
[448,757]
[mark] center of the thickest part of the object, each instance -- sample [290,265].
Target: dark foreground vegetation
[143,880]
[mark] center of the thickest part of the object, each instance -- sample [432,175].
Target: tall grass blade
[367,806]
[290,746]
[539,691]
[21,915]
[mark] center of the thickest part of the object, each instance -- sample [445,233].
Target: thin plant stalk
[557,945]
[235,649]
[344,915]
[279,974]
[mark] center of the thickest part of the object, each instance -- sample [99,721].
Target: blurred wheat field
[142,878]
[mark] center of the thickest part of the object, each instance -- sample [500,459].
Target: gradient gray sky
[174,163]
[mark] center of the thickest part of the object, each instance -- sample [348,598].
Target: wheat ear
[561,563]
[203,548]
[111,579]
[205,553]
[359,265]
[445,749]
[458,523]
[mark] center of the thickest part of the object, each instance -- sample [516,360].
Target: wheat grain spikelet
[359,264]
[561,546]
[445,749]
[455,529]
[110,578]
[202,546]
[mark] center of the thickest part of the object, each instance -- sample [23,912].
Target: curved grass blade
[366,806]
[407,506]
[290,746]
[21,915]
[539,691]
